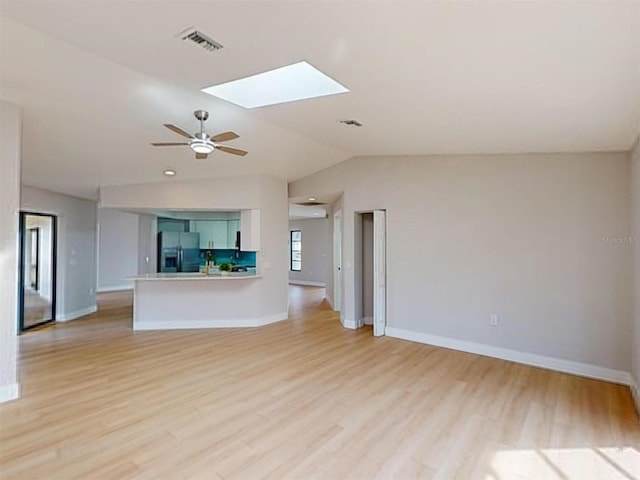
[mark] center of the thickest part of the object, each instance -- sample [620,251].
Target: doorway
[370,271]
[37,272]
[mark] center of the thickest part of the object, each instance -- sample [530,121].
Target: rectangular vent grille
[200,39]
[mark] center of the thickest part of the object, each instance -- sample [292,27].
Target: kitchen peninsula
[193,301]
[164,301]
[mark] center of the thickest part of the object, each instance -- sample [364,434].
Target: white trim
[118,288]
[551,363]
[308,283]
[635,394]
[9,392]
[352,324]
[366,321]
[231,323]
[329,300]
[77,314]
[276,317]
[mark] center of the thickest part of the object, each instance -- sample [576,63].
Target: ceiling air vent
[310,204]
[351,123]
[200,39]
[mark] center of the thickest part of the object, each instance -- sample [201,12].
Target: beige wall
[522,236]
[316,244]
[635,192]
[367,265]
[118,235]
[10,140]
[76,268]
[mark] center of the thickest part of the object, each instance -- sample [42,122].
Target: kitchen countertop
[196,276]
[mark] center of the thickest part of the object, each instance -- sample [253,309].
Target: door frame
[379,273]
[21,273]
[337,261]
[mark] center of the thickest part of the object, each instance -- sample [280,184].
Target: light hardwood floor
[303,398]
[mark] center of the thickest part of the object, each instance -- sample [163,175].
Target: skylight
[299,81]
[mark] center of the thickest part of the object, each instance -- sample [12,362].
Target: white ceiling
[98,79]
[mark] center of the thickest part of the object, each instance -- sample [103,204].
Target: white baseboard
[278,317]
[77,314]
[551,363]
[329,300]
[9,392]
[308,283]
[348,323]
[191,324]
[367,320]
[118,288]
[635,393]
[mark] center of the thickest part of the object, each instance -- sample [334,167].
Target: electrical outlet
[91,291]
[494,320]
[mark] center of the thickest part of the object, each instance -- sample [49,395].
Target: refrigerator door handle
[180,257]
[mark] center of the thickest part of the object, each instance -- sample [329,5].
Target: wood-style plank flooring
[299,399]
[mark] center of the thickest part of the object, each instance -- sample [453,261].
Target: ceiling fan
[201,142]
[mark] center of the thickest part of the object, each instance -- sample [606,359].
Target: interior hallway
[37,309]
[303,399]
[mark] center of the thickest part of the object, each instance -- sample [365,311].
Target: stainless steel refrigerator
[178,252]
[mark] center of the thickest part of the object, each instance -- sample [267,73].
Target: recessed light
[312,199]
[299,81]
[169,172]
[317,214]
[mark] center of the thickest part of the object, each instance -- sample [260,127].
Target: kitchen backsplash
[230,255]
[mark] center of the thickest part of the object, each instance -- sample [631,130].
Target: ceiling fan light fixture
[201,147]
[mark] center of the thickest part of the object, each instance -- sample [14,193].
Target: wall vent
[192,35]
[351,123]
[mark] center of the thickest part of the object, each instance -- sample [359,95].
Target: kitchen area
[206,270]
[193,241]
[183,284]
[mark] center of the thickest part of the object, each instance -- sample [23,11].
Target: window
[295,246]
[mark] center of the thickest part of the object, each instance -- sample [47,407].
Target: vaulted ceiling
[97,79]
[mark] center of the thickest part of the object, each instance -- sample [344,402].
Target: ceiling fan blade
[224,137]
[201,156]
[168,144]
[234,151]
[178,130]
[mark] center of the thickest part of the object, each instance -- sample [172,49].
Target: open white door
[379,272]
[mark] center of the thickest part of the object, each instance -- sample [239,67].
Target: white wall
[635,202]
[118,249]
[268,194]
[316,244]
[45,275]
[521,236]
[76,267]
[10,140]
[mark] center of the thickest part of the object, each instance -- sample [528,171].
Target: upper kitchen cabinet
[219,234]
[217,229]
[213,233]
[250,230]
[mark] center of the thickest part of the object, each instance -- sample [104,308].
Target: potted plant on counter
[209,262]
[225,268]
